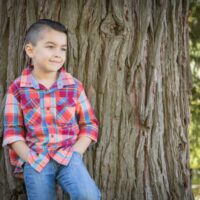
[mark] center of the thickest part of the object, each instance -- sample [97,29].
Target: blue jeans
[73,178]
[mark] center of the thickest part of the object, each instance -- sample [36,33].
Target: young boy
[49,122]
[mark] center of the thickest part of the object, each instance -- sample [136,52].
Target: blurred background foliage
[194,129]
[194,45]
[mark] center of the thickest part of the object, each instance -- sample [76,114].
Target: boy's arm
[14,134]
[21,149]
[82,144]
[88,124]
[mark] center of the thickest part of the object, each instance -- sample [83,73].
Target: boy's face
[49,53]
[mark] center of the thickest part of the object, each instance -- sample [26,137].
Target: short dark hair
[34,30]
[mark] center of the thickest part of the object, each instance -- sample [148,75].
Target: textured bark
[132,56]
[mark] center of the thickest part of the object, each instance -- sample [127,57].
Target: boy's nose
[57,53]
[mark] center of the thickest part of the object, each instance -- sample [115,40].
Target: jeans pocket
[76,158]
[76,153]
[26,165]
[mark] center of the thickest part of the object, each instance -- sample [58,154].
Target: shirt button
[48,108]
[52,136]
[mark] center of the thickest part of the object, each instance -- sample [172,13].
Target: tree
[132,57]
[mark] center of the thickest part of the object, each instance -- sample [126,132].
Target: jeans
[73,178]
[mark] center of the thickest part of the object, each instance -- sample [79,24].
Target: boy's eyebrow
[49,42]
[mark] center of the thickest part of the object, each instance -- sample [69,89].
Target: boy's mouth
[57,62]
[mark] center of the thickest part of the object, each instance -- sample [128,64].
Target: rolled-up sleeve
[88,123]
[13,121]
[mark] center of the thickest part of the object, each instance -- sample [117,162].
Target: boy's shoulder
[68,78]
[77,82]
[15,85]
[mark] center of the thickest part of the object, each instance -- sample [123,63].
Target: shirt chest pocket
[32,112]
[66,111]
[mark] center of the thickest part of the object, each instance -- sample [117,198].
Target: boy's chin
[54,68]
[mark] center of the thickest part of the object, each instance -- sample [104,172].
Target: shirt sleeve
[13,121]
[88,124]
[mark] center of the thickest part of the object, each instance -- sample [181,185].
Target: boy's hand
[82,144]
[20,176]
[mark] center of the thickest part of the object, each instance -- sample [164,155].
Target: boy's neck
[39,75]
[47,79]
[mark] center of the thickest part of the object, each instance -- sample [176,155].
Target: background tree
[132,56]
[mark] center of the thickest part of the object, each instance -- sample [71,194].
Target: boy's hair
[33,33]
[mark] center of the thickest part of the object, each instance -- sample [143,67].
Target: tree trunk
[132,57]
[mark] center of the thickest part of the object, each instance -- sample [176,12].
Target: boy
[48,120]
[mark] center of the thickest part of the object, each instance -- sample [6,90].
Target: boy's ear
[29,50]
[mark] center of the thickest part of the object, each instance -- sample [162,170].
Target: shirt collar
[64,79]
[27,79]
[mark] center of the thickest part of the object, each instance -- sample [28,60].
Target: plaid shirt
[49,121]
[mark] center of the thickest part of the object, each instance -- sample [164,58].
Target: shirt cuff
[92,135]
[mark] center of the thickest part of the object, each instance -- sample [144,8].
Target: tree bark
[132,57]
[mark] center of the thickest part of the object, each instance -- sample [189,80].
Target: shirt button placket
[52,137]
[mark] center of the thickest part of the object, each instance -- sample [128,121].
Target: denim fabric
[73,178]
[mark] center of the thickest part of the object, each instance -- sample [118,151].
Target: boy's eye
[50,47]
[63,49]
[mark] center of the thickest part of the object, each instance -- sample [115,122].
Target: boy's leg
[76,181]
[41,185]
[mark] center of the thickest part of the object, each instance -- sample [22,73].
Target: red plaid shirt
[49,121]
